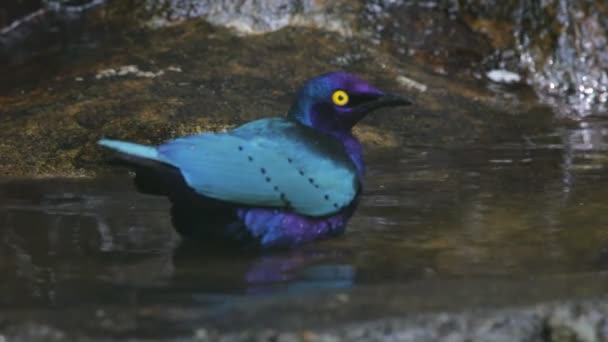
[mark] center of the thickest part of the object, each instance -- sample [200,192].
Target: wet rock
[32,29]
[11,11]
[574,61]
[426,34]
[193,77]
[561,45]
[534,323]
[34,332]
[503,76]
[548,322]
[252,16]
[574,324]
[34,25]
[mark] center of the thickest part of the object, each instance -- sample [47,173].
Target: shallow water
[525,208]
[442,226]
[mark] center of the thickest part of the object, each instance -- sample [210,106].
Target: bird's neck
[351,145]
[353,149]
[313,117]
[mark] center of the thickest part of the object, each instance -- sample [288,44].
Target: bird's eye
[340,98]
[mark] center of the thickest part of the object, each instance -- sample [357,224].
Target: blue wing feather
[269,162]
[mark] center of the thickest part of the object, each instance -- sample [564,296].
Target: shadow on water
[532,206]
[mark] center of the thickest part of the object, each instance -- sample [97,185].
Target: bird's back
[275,162]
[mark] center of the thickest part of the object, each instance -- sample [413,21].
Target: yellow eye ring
[340,98]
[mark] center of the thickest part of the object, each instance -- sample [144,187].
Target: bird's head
[336,101]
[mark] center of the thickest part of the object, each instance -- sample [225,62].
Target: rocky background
[74,71]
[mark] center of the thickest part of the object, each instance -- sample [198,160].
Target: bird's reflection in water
[65,255]
[258,273]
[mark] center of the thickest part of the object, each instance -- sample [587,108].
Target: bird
[275,182]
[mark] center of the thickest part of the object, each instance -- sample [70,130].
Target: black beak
[392,100]
[386,100]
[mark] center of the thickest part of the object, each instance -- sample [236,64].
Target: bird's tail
[153,175]
[136,153]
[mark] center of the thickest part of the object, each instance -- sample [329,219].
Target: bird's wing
[271,163]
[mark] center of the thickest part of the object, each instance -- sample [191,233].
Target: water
[473,201]
[506,211]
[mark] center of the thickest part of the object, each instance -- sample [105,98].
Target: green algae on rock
[50,128]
